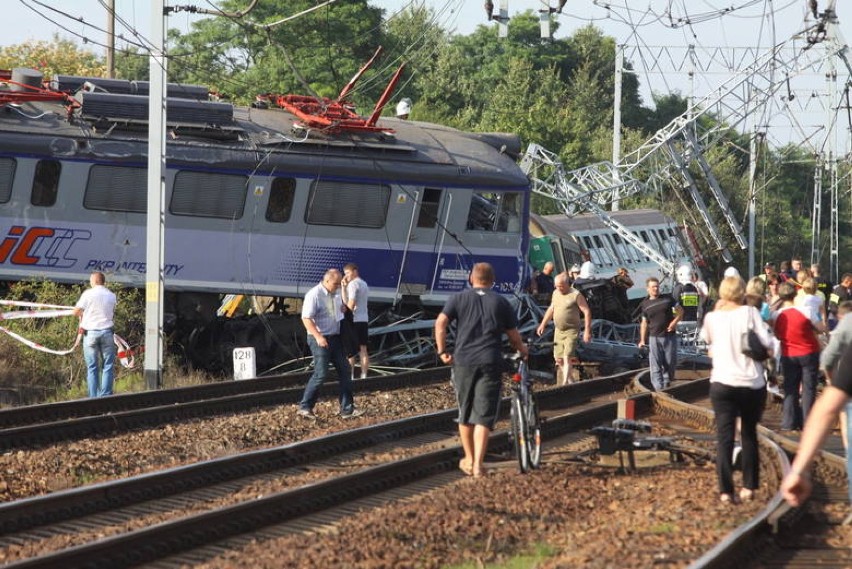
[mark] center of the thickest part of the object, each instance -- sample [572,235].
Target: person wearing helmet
[403,109]
[687,295]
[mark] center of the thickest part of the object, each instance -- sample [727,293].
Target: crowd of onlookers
[798,319]
[798,323]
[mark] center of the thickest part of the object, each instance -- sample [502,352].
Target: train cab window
[428,216]
[117,188]
[281,197]
[348,204]
[45,183]
[7,176]
[205,194]
[498,212]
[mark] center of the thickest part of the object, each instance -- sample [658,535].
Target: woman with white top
[737,385]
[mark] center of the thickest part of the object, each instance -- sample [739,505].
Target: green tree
[319,51]
[132,64]
[59,55]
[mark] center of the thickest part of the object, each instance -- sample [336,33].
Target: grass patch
[527,560]
[663,528]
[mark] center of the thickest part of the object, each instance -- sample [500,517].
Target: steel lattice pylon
[668,154]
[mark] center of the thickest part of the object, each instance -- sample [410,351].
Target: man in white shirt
[95,309]
[355,296]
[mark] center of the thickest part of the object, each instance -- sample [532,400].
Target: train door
[426,239]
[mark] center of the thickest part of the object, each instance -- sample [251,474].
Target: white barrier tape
[16,314]
[32,304]
[39,347]
[124,353]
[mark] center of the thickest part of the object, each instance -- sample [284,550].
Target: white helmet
[684,274]
[732,272]
[403,107]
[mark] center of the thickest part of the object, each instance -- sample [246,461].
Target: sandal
[466,466]
[726,498]
[746,495]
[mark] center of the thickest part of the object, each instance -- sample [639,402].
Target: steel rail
[169,410]
[168,538]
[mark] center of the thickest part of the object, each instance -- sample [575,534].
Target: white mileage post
[244,363]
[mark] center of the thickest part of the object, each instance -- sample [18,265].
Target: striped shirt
[323,308]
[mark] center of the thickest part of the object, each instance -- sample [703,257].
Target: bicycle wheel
[519,430]
[533,430]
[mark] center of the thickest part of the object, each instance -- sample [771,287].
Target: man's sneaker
[306,413]
[354,413]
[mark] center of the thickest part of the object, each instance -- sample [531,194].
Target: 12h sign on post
[244,363]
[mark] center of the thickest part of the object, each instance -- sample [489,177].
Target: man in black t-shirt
[660,315]
[482,317]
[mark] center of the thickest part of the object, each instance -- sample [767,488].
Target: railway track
[223,504]
[121,523]
[779,536]
[39,425]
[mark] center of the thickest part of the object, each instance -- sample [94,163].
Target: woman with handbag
[737,384]
[799,359]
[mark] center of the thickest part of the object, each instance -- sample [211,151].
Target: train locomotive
[258,201]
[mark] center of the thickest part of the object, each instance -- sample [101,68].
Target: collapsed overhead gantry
[669,154]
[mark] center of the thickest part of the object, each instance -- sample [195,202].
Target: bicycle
[526,423]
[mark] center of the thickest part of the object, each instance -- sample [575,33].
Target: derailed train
[255,202]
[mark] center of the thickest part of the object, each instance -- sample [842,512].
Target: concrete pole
[110,55]
[156,197]
[616,118]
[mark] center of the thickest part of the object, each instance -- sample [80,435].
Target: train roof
[113,127]
[562,225]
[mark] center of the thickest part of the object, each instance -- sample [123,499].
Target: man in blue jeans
[660,315]
[321,315]
[95,309]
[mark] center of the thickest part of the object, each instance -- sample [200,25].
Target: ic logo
[41,246]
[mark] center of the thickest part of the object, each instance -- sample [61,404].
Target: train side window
[281,197]
[45,183]
[348,204]
[623,248]
[495,212]
[205,194]
[117,188]
[7,176]
[613,250]
[428,216]
[602,251]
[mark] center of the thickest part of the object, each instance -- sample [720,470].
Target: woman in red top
[799,359]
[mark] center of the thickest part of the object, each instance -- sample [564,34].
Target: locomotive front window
[7,176]
[281,198]
[206,194]
[117,188]
[45,183]
[495,212]
[348,204]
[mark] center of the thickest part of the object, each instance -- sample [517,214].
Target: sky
[655,40]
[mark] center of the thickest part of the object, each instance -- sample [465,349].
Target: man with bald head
[96,309]
[566,304]
[322,312]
